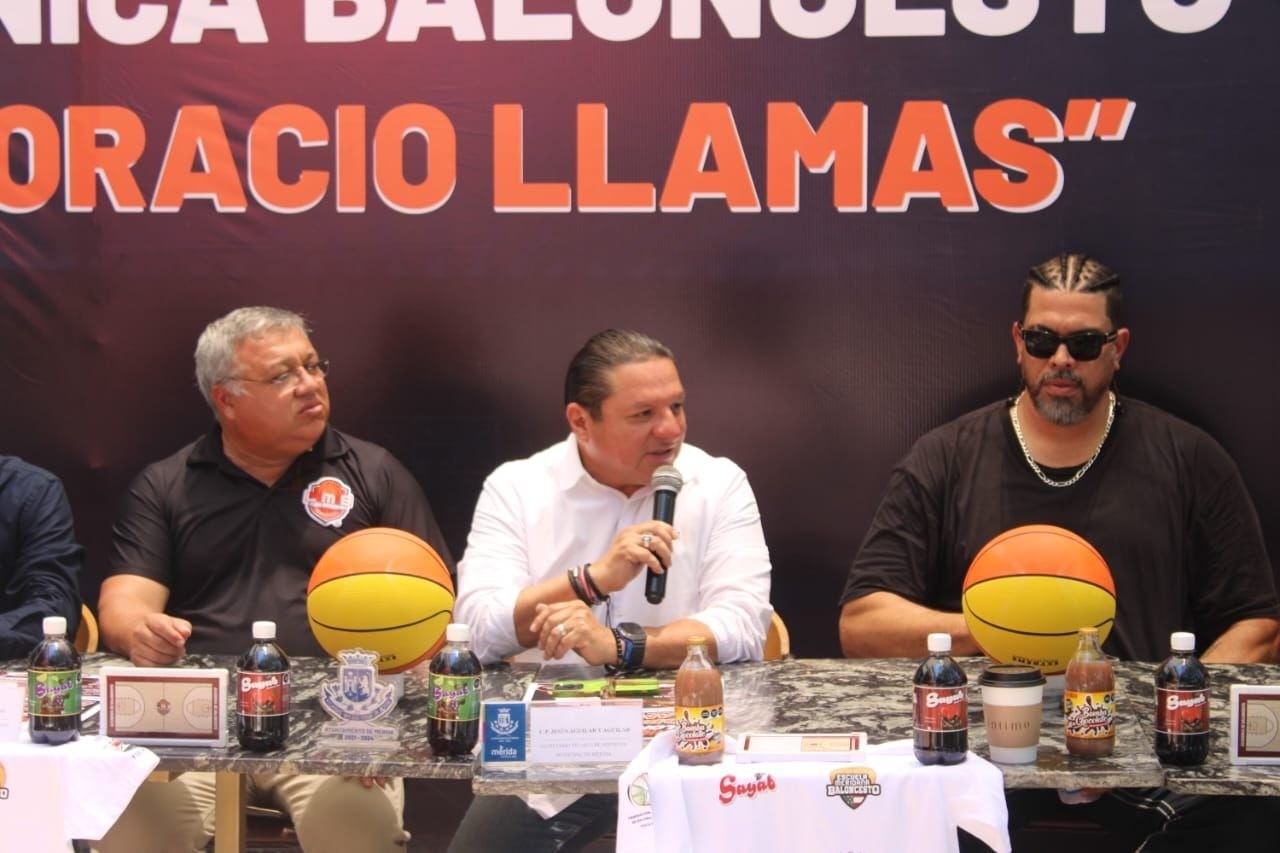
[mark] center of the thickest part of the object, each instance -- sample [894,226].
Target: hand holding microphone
[666,482]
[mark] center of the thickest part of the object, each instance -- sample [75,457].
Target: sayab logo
[328,501]
[853,785]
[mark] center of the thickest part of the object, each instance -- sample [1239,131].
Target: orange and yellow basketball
[1029,592]
[384,590]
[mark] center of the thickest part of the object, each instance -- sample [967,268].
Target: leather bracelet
[600,596]
[577,586]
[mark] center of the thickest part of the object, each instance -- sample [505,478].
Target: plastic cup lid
[1011,675]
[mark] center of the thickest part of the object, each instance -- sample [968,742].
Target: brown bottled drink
[699,702]
[53,686]
[1089,699]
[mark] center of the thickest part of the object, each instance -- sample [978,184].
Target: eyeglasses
[1083,346]
[289,379]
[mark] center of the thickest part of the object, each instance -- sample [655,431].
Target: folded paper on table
[886,799]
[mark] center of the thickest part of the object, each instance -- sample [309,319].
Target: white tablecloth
[886,803]
[52,794]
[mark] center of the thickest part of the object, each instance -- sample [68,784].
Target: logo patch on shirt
[328,501]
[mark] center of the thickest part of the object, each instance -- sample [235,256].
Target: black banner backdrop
[825,208]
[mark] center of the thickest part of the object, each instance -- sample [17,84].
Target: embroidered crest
[328,501]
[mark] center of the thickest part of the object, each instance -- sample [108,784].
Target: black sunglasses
[1083,346]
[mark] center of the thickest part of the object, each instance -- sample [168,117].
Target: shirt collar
[208,450]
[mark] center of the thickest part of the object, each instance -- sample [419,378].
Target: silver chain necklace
[1062,484]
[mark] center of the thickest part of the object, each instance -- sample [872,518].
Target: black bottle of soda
[940,706]
[1182,704]
[262,692]
[53,686]
[453,695]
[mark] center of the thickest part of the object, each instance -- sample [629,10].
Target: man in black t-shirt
[1159,499]
[226,532]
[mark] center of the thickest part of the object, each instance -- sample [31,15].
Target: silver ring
[646,539]
[561,629]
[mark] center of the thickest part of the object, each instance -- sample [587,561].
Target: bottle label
[453,697]
[1182,712]
[262,694]
[1089,715]
[940,709]
[53,693]
[699,729]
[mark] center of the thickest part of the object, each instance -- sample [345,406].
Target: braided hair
[1076,273]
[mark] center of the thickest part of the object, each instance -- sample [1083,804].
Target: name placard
[586,731]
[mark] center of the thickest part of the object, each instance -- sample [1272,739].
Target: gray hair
[216,348]
[588,382]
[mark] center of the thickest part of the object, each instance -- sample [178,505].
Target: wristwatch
[630,638]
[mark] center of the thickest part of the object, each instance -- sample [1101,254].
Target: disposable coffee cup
[1011,707]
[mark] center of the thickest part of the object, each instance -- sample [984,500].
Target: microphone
[666,482]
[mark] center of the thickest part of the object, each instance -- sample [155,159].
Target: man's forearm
[882,625]
[1247,641]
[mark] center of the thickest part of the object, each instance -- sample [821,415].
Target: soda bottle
[453,694]
[940,706]
[262,692]
[53,686]
[699,706]
[1089,699]
[1182,704]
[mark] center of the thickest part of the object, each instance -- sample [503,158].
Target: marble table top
[302,753]
[795,695]
[874,696]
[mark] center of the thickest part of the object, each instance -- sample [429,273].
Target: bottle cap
[1088,630]
[1182,641]
[695,640]
[264,630]
[54,625]
[458,632]
[939,642]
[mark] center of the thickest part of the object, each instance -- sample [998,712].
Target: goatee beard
[1061,411]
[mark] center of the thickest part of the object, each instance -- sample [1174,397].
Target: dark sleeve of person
[44,580]
[140,540]
[1233,576]
[902,543]
[405,507]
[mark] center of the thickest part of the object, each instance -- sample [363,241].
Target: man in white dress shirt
[561,543]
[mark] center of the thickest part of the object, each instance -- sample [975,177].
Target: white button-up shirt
[540,516]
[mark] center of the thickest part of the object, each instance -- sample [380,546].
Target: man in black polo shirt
[226,532]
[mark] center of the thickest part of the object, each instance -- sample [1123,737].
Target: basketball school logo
[328,501]
[853,785]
